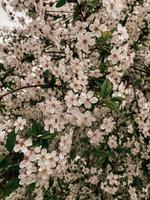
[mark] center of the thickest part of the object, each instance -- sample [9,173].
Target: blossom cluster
[74,100]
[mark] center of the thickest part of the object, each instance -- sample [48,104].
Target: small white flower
[19,124]
[84,41]
[95,28]
[34,152]
[95,137]
[53,105]
[76,85]
[112,142]
[107,125]
[22,145]
[123,32]
[95,73]
[115,56]
[113,7]
[80,27]
[87,99]
[51,159]
[42,158]
[65,143]
[71,99]
[26,161]
[50,125]
[88,119]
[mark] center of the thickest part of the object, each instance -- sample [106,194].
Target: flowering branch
[21,88]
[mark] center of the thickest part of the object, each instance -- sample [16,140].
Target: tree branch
[79,7]
[21,88]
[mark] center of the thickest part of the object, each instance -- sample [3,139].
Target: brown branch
[137,69]
[54,52]
[67,19]
[135,97]
[59,11]
[80,10]
[62,20]
[21,88]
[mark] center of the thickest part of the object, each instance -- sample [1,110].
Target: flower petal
[93,100]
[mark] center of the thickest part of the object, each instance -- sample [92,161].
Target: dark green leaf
[48,137]
[28,58]
[28,132]
[36,128]
[106,88]
[137,182]
[31,187]
[112,105]
[60,3]
[144,167]
[10,142]
[11,186]
[4,163]
[103,67]
[119,99]
[101,155]
[123,150]
[137,83]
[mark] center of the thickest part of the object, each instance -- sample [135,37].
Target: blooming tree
[74,100]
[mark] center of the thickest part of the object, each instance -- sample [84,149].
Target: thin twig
[61,20]
[64,22]
[21,88]
[135,96]
[140,70]
[59,11]
[54,52]
[79,6]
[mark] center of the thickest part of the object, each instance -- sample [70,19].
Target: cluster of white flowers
[38,159]
[111,185]
[113,7]
[74,100]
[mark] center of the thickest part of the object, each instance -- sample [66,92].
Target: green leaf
[101,155]
[105,36]
[119,99]
[4,162]
[123,150]
[28,58]
[10,186]
[112,105]
[106,88]
[37,128]
[103,67]
[48,136]
[10,142]
[28,132]
[60,3]
[137,182]
[144,167]
[137,82]
[30,187]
